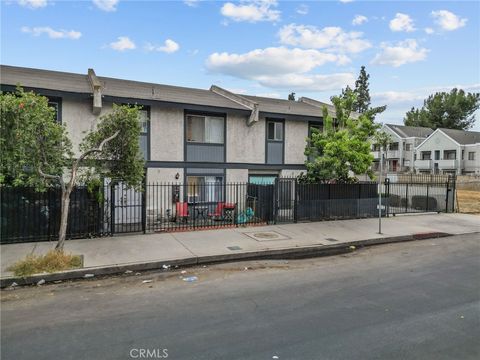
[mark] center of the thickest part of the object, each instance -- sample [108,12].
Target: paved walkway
[123,250]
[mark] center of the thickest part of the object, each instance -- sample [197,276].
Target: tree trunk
[65,208]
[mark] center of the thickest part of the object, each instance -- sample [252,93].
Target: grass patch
[52,261]
[468,201]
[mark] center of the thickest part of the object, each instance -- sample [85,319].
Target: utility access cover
[266,236]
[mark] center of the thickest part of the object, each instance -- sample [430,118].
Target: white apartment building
[400,155]
[448,151]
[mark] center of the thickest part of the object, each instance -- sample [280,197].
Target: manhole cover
[266,236]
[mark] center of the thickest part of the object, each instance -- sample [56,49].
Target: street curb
[288,253]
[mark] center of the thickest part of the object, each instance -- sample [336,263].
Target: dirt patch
[468,201]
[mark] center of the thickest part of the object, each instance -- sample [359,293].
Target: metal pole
[380,193]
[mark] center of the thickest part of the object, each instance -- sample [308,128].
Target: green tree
[451,110]
[362,102]
[291,96]
[342,149]
[36,150]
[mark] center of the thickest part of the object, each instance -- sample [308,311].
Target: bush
[52,261]
[419,202]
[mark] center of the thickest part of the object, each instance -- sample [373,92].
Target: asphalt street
[413,300]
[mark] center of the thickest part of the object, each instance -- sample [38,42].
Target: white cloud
[270,95]
[251,11]
[402,22]
[282,68]
[389,97]
[191,3]
[270,61]
[302,9]
[413,95]
[429,30]
[51,33]
[359,20]
[447,20]
[308,82]
[329,38]
[401,53]
[106,5]
[169,47]
[123,43]
[33,4]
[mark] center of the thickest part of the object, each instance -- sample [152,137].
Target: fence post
[454,192]
[144,205]
[447,190]
[359,199]
[387,197]
[275,199]
[295,202]
[406,198]
[112,208]
[427,198]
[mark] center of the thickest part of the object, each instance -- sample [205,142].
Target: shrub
[52,261]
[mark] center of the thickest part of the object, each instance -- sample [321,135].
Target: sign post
[380,193]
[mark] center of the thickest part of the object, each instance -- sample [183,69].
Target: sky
[262,47]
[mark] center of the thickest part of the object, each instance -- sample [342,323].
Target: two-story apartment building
[189,135]
[400,154]
[449,151]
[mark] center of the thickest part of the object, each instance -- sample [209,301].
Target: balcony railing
[423,164]
[447,164]
[393,154]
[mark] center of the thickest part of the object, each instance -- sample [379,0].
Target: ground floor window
[205,189]
[262,179]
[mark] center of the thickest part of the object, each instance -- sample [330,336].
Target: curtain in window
[214,130]
[143,119]
[196,128]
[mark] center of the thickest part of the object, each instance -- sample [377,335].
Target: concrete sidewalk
[142,252]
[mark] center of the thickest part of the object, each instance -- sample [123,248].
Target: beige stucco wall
[291,173]
[160,200]
[245,144]
[77,116]
[163,175]
[166,134]
[237,175]
[295,134]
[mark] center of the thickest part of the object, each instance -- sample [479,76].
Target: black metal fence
[27,215]
[177,207]
[420,194]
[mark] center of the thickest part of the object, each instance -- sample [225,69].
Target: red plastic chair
[182,210]
[218,213]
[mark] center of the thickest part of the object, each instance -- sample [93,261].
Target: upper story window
[144,118]
[376,147]
[471,155]
[393,146]
[408,147]
[449,155]
[56,104]
[275,131]
[426,155]
[311,126]
[205,129]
